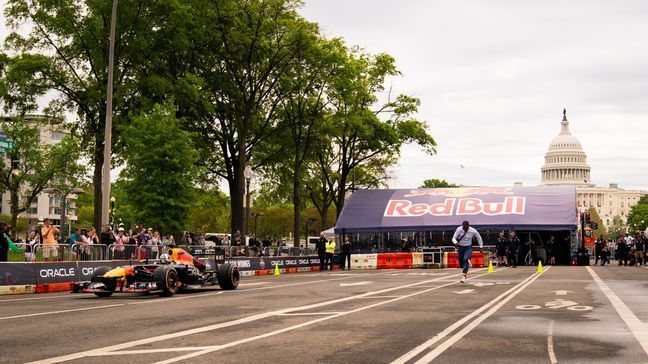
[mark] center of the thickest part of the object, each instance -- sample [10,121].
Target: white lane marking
[465,291]
[562,292]
[560,303]
[243,320]
[483,284]
[72,310]
[153,351]
[419,349]
[33,299]
[355,284]
[426,274]
[280,331]
[252,284]
[580,308]
[528,307]
[374,297]
[638,328]
[167,299]
[468,328]
[349,274]
[310,313]
[550,345]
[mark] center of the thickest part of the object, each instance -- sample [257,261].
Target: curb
[24,289]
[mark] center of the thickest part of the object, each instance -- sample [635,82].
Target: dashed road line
[550,345]
[34,298]
[638,328]
[81,309]
[426,345]
[280,331]
[497,305]
[310,313]
[116,347]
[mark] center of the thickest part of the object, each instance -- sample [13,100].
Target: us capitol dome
[566,162]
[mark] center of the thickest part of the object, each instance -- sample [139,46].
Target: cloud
[494,76]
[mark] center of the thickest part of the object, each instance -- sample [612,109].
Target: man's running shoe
[463,280]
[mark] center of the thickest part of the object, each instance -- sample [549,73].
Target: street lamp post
[248,174]
[64,194]
[112,211]
[105,182]
[256,215]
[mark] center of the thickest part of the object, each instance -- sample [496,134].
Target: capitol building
[566,164]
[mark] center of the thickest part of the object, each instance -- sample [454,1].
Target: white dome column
[565,162]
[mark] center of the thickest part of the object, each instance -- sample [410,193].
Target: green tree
[594,217]
[638,215]
[362,130]
[32,166]
[616,228]
[159,169]
[246,47]
[437,183]
[210,212]
[643,200]
[302,110]
[65,54]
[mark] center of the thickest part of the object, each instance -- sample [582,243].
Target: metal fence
[88,252]
[52,252]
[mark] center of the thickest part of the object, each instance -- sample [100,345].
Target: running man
[463,237]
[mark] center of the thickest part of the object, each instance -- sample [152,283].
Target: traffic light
[587,218]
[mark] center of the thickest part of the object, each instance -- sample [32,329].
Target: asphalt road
[565,315]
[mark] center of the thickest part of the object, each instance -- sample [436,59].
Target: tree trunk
[237,186]
[97,181]
[324,216]
[14,207]
[236,205]
[339,204]
[296,200]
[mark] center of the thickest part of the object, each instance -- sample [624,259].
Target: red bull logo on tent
[440,209]
[512,205]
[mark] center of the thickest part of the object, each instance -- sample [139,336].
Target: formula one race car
[172,272]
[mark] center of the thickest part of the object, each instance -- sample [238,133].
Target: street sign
[6,144]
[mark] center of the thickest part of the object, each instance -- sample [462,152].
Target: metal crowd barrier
[86,252]
[133,252]
[25,253]
[432,255]
[52,252]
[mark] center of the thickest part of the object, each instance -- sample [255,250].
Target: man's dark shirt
[107,238]
[321,245]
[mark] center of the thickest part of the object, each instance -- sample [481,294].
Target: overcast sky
[493,78]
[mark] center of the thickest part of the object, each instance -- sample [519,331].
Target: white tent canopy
[329,232]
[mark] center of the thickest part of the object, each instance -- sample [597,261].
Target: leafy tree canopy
[436,183]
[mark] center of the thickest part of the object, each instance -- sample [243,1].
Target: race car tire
[168,278]
[228,276]
[109,284]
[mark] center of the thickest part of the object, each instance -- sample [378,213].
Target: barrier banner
[86,268]
[16,274]
[56,272]
[263,263]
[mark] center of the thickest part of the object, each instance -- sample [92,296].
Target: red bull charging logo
[459,192]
